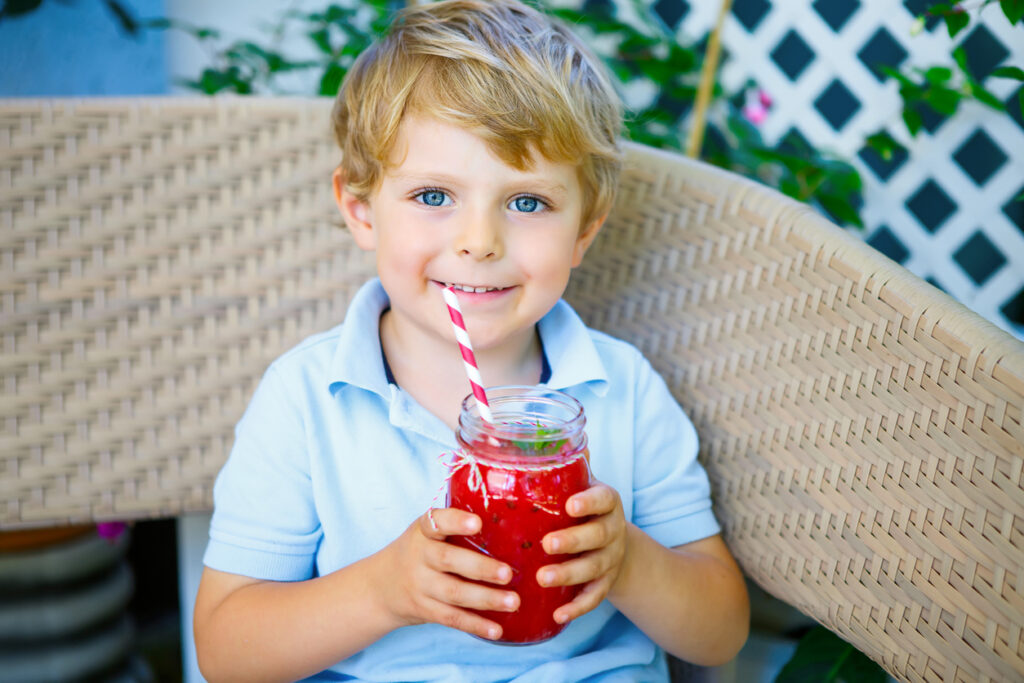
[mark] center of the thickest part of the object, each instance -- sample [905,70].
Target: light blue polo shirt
[331,462]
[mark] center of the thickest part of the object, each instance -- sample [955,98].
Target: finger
[597,500]
[582,569]
[451,590]
[469,564]
[587,599]
[438,523]
[466,621]
[597,533]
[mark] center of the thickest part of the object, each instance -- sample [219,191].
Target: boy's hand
[601,542]
[424,579]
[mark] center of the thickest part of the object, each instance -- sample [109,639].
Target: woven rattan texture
[155,257]
[862,430]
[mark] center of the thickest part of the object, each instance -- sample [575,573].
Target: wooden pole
[707,85]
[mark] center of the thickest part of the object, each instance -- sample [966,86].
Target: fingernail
[547,577]
[555,544]
[577,507]
[561,617]
[493,632]
[504,574]
[470,525]
[510,601]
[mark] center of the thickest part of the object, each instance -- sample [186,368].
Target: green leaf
[901,77]
[841,209]
[984,96]
[568,15]
[125,18]
[791,188]
[381,22]
[542,442]
[960,56]
[336,14]
[820,657]
[790,161]
[213,81]
[943,100]
[859,668]
[913,121]
[956,21]
[1013,9]
[331,80]
[884,144]
[14,8]
[938,74]
[322,39]
[682,58]
[815,658]
[661,73]
[1014,72]
[745,132]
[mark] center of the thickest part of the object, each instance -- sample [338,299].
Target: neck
[432,371]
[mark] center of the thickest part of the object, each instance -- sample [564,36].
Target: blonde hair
[505,71]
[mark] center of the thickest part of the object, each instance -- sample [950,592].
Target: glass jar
[517,473]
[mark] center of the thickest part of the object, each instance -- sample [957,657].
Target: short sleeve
[671,496]
[264,523]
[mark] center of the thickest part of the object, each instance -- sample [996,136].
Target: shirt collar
[359,361]
[570,351]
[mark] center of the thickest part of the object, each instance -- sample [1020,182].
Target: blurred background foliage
[635,44]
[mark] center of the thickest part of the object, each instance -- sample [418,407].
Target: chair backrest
[862,430]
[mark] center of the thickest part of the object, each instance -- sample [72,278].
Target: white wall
[253,20]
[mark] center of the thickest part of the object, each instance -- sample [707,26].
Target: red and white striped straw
[468,359]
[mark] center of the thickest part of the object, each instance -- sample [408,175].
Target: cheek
[407,252]
[549,266]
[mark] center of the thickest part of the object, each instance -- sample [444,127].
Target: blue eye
[433,197]
[527,204]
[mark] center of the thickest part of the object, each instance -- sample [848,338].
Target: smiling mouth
[470,288]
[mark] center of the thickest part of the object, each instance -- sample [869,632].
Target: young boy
[479,150]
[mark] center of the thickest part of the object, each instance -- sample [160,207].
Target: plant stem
[707,84]
[833,674]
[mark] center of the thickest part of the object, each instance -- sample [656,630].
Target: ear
[355,211]
[585,239]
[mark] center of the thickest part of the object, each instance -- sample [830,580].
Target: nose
[480,236]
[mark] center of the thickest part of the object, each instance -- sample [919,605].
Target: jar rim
[499,396]
[528,417]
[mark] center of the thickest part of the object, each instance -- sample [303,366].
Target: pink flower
[756,103]
[755,113]
[110,530]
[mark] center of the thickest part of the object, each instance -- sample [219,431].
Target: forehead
[427,146]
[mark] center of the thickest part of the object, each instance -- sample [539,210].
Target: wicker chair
[862,430]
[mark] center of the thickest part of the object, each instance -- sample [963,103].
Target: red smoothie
[526,478]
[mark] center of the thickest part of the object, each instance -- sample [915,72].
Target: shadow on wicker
[861,429]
